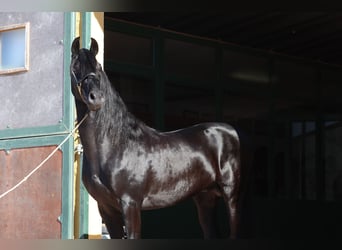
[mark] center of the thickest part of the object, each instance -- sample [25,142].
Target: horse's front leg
[113,221]
[132,217]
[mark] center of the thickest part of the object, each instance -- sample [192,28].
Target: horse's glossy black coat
[129,167]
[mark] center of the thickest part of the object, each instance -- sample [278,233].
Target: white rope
[44,161]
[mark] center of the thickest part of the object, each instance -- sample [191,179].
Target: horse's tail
[246,168]
[245,161]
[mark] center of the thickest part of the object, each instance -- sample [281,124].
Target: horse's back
[219,141]
[205,128]
[215,133]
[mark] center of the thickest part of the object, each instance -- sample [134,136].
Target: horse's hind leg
[206,207]
[230,192]
[231,203]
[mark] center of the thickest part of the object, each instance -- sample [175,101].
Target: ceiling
[315,36]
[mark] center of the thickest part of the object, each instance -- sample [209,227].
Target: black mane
[114,119]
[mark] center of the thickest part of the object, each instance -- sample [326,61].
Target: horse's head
[85,74]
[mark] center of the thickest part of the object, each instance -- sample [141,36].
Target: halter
[80,82]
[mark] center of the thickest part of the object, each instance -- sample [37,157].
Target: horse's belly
[160,200]
[165,197]
[169,188]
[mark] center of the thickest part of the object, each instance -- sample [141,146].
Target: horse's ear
[75,47]
[94,47]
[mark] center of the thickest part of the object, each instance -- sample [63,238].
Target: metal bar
[9,144]
[82,192]
[271,128]
[137,70]
[85,30]
[159,93]
[303,162]
[219,84]
[84,204]
[69,35]
[9,133]
[320,144]
[67,218]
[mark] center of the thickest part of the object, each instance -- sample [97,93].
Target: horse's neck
[81,110]
[86,131]
[109,127]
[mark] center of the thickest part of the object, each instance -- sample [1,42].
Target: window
[189,60]
[128,49]
[14,48]
[187,105]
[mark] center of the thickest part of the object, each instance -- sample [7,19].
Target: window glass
[245,68]
[189,60]
[249,115]
[330,90]
[137,94]
[13,49]
[127,49]
[333,160]
[295,79]
[187,106]
[303,181]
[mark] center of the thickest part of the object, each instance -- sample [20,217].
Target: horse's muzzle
[95,100]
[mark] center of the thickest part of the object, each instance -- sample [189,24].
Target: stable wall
[35,118]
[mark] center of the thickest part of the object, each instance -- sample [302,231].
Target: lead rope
[45,160]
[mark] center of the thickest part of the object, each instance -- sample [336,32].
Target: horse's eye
[76,65]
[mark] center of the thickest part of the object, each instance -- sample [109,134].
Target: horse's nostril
[92,96]
[95,100]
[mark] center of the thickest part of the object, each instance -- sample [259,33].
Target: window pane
[245,68]
[186,106]
[189,60]
[137,94]
[13,49]
[309,184]
[330,90]
[248,114]
[303,170]
[333,160]
[127,49]
[295,79]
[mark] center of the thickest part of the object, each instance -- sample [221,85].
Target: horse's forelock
[87,58]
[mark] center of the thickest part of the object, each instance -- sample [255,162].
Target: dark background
[275,76]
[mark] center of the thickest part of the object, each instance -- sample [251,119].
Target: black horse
[129,167]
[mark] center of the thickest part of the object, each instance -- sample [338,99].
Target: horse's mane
[113,118]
